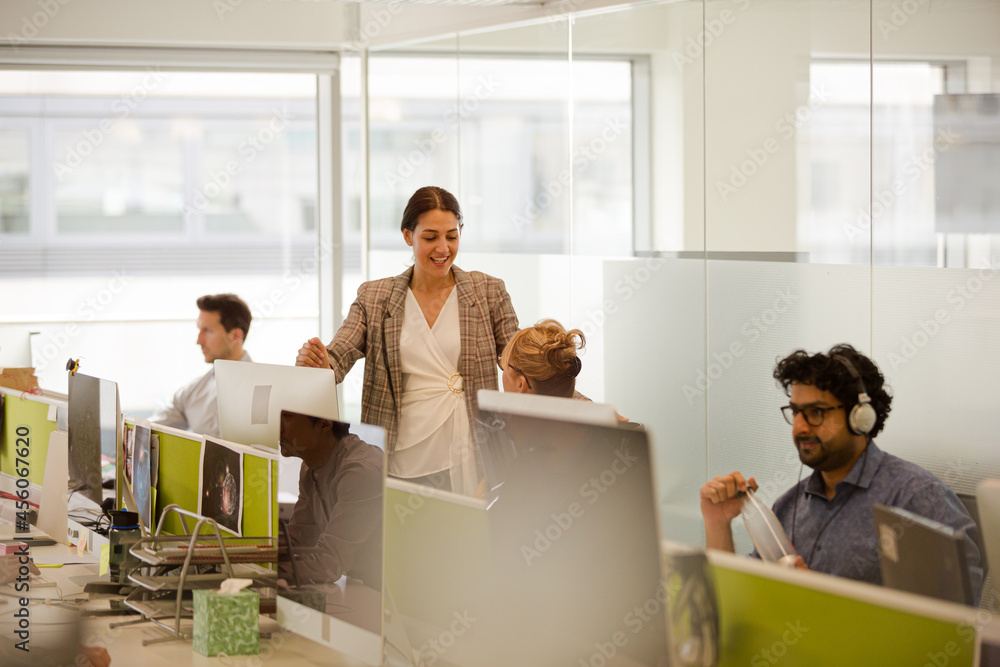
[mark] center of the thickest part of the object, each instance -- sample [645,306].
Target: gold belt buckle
[452,380]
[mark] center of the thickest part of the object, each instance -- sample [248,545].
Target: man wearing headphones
[838,404]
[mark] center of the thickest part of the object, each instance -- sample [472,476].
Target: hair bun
[577,367]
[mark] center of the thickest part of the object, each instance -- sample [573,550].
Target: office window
[14,179]
[910,134]
[498,132]
[126,195]
[128,182]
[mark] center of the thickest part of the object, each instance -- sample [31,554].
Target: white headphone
[862,417]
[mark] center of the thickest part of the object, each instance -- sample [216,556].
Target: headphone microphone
[862,417]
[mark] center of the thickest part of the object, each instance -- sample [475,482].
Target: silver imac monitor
[332,574]
[496,448]
[922,556]
[252,396]
[574,547]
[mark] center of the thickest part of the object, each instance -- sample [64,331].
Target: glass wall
[744,179]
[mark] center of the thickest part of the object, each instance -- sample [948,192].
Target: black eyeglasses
[814,415]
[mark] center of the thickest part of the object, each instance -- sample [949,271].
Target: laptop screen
[922,556]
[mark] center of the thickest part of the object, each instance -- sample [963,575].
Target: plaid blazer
[373,327]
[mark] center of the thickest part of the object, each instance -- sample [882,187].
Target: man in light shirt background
[223,323]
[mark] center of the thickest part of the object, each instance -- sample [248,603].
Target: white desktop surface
[124,644]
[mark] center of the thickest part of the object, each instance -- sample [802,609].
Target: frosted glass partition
[711,403]
[935,338]
[759,312]
[758,225]
[539,289]
[655,344]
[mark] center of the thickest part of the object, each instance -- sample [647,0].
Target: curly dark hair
[824,372]
[233,311]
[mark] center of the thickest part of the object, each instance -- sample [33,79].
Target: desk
[53,624]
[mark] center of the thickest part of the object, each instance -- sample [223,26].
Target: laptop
[252,396]
[922,556]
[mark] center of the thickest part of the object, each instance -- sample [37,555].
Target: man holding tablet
[838,405]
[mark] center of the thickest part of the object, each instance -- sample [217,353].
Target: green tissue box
[227,624]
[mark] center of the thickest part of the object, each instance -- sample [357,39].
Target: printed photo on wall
[220,493]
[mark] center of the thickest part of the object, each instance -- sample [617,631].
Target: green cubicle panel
[25,413]
[177,484]
[177,479]
[435,544]
[766,621]
[260,496]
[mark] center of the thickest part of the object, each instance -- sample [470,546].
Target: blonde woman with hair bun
[543,360]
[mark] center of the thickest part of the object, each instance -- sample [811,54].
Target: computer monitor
[988,503]
[922,556]
[497,450]
[94,427]
[548,407]
[347,491]
[574,541]
[437,563]
[252,396]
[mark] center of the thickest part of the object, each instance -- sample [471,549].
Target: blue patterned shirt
[838,536]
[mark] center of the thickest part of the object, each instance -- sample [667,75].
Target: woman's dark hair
[824,372]
[429,198]
[233,311]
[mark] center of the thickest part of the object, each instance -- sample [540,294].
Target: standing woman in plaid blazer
[430,338]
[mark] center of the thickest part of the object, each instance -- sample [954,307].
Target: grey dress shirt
[338,516]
